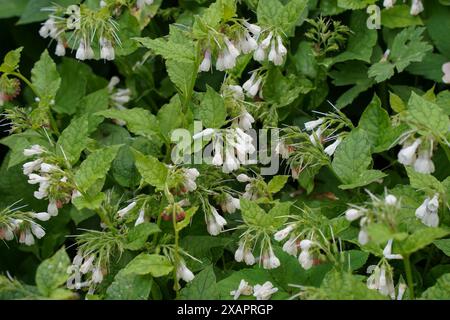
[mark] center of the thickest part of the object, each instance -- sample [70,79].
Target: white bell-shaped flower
[407,155]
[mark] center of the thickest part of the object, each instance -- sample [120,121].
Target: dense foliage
[253,149]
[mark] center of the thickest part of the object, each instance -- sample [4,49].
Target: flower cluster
[86,265]
[427,212]
[260,292]
[244,41]
[84,26]
[417,154]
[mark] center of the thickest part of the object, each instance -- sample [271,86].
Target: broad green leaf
[376,122]
[129,286]
[183,76]
[170,117]
[277,183]
[355,4]
[45,77]
[352,159]
[153,264]
[139,121]
[220,10]
[354,259]
[10,8]
[438,26]
[73,86]
[407,47]
[203,287]
[396,103]
[281,91]
[430,67]
[212,111]
[440,291]
[137,236]
[344,286]
[73,140]
[33,11]
[273,13]
[361,42]
[52,272]
[254,214]
[444,245]
[183,52]
[427,116]
[95,167]
[399,17]
[279,214]
[424,182]
[152,171]
[11,60]
[92,103]
[421,238]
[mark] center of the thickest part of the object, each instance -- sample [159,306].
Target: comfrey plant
[271,149]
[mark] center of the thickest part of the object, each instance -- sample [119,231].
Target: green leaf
[427,116]
[396,103]
[187,219]
[73,140]
[361,42]
[424,182]
[355,4]
[11,60]
[440,291]
[137,236]
[138,121]
[354,259]
[45,77]
[443,245]
[420,239]
[153,264]
[183,52]
[254,215]
[52,272]
[407,47]
[438,26]
[212,111]
[376,122]
[203,287]
[95,167]
[344,286]
[129,286]
[281,91]
[10,8]
[33,11]
[352,159]
[399,17]
[183,76]
[277,183]
[152,171]
[273,13]
[73,86]
[170,117]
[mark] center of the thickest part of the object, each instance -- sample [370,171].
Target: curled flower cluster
[53,183]
[87,266]
[83,24]
[21,224]
[244,41]
[260,292]
[427,212]
[419,158]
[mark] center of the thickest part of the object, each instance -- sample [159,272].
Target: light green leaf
[73,140]
[11,60]
[137,236]
[95,167]
[277,183]
[420,239]
[153,264]
[139,121]
[212,111]
[396,103]
[10,8]
[361,42]
[376,122]
[355,4]
[203,287]
[273,13]
[129,286]
[444,245]
[440,291]
[187,219]
[152,171]
[427,116]
[92,103]
[52,272]
[424,182]
[352,159]
[399,17]
[45,77]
